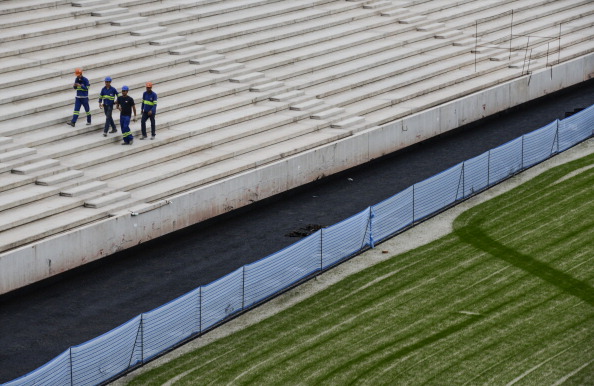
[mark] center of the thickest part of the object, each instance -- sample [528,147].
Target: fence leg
[371,215]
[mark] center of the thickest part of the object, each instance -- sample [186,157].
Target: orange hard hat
[149,84]
[78,71]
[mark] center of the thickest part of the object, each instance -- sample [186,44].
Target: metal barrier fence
[155,332]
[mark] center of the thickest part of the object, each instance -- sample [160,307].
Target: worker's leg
[77,104]
[85,103]
[153,125]
[125,126]
[143,124]
[108,118]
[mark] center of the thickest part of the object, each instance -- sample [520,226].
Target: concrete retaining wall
[43,259]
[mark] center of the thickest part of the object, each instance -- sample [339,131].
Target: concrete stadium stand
[56,254]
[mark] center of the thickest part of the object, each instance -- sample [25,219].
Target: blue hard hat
[125,88]
[108,79]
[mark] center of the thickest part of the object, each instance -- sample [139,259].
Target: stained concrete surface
[42,321]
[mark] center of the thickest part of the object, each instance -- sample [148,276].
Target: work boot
[70,124]
[113,131]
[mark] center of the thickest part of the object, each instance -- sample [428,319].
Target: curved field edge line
[202,362]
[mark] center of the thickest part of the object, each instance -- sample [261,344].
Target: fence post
[321,249]
[463,179]
[70,355]
[243,287]
[142,337]
[200,310]
[371,215]
[489,168]
[557,134]
[522,167]
[413,204]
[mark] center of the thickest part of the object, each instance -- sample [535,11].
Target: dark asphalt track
[38,324]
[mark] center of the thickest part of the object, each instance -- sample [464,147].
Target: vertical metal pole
[559,52]
[200,308]
[475,42]
[371,215]
[321,250]
[463,180]
[413,205]
[522,166]
[511,33]
[243,287]
[142,338]
[70,352]
[528,69]
[548,47]
[489,168]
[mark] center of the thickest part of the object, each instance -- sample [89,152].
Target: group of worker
[108,97]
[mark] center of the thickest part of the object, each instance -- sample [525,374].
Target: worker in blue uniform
[81,85]
[149,110]
[107,98]
[125,104]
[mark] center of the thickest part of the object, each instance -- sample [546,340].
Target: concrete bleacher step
[106,200]
[306,105]
[347,123]
[412,19]
[17,153]
[243,162]
[327,114]
[187,50]
[21,196]
[431,27]
[148,31]
[18,216]
[210,59]
[36,16]
[59,177]
[87,3]
[109,12]
[267,86]
[377,4]
[26,31]
[287,96]
[449,34]
[167,41]
[82,189]
[226,68]
[36,166]
[28,5]
[395,12]
[299,35]
[49,225]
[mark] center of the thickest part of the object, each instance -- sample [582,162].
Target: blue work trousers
[78,102]
[108,109]
[125,126]
[145,116]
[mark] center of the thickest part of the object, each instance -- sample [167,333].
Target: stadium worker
[107,97]
[81,85]
[126,105]
[148,110]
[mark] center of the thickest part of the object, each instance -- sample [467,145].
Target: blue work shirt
[82,91]
[149,102]
[107,96]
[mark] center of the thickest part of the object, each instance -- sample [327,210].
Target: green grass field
[505,299]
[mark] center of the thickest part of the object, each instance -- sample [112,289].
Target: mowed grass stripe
[507,336]
[407,327]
